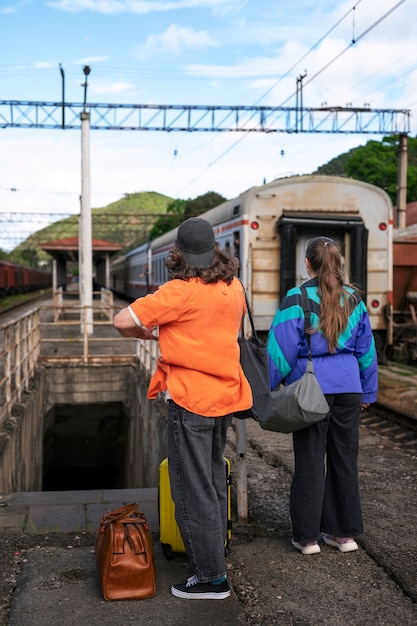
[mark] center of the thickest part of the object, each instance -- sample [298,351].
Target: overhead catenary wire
[297,63]
[287,73]
[353,42]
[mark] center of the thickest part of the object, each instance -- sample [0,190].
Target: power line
[309,51]
[368,30]
[354,41]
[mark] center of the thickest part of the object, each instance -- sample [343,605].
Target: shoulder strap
[249,311]
[307,311]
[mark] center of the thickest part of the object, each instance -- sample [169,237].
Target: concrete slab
[12,519]
[56,518]
[71,511]
[57,497]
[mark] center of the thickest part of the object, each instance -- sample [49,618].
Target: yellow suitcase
[169,534]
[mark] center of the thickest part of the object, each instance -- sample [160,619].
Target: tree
[203,203]
[174,216]
[28,254]
[180,210]
[377,163]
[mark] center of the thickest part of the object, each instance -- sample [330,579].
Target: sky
[188,52]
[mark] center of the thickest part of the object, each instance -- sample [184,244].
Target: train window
[236,209]
[236,243]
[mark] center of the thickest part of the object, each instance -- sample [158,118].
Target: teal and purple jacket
[351,369]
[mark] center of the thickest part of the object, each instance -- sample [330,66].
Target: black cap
[195,239]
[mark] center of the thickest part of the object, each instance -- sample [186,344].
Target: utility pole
[299,102]
[85,227]
[63,94]
[401,221]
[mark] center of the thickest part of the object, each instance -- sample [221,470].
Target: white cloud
[44,65]
[256,67]
[108,7]
[90,60]
[118,87]
[141,7]
[174,41]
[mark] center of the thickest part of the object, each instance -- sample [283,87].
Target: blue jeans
[198,486]
[325,488]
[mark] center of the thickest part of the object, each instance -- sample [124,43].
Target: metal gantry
[201,118]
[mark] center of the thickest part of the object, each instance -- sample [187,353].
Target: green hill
[127,221]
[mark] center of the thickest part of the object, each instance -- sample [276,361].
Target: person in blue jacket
[325,500]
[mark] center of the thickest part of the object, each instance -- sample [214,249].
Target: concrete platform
[60,585]
[53,577]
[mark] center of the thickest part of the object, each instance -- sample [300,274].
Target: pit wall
[21,437]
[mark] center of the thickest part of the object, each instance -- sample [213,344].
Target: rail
[19,354]
[60,334]
[62,299]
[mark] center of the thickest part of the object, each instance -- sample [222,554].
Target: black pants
[325,490]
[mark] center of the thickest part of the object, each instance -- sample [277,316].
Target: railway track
[18,303]
[394,424]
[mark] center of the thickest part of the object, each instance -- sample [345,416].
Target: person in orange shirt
[198,313]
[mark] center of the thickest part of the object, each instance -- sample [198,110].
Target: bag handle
[121,512]
[249,312]
[307,311]
[118,514]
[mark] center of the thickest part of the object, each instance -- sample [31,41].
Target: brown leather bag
[124,553]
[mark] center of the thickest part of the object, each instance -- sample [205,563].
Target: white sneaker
[306,547]
[344,544]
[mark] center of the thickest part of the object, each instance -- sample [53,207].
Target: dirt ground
[376,585]
[274,583]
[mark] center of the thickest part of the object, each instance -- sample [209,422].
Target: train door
[303,240]
[349,233]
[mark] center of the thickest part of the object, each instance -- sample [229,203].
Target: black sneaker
[195,590]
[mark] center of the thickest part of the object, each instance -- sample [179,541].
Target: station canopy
[64,250]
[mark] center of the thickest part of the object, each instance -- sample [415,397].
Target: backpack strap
[307,311]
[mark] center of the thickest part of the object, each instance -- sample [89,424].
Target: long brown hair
[224,267]
[335,301]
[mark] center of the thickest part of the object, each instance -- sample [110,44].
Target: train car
[405,293]
[40,279]
[7,278]
[268,227]
[16,278]
[129,274]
